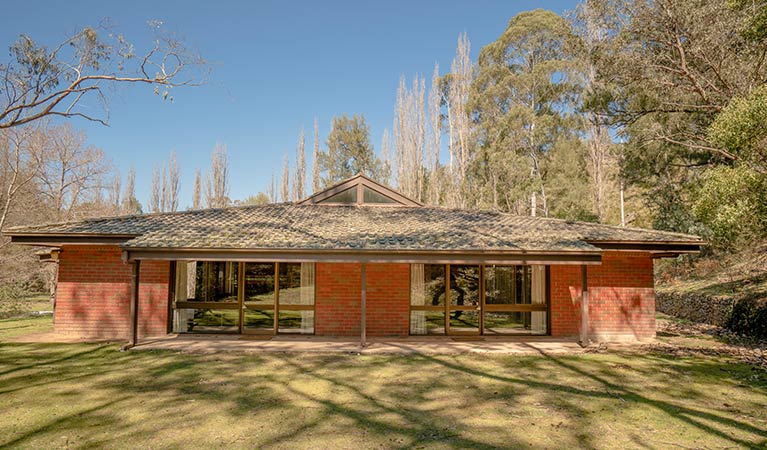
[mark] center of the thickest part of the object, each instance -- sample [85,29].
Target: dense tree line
[648,113]
[635,112]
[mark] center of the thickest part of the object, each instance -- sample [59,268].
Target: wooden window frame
[240,304]
[484,306]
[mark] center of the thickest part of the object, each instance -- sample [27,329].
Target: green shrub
[11,299]
[732,203]
[13,291]
[749,317]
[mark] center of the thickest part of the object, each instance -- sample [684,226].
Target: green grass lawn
[85,395]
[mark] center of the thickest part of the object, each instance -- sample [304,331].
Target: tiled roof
[320,227]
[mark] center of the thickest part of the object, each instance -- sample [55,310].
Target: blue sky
[276,65]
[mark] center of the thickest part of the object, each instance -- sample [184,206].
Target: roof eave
[667,247]
[70,238]
[367,255]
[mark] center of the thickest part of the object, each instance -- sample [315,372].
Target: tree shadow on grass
[422,427]
[305,397]
[5,360]
[679,412]
[99,414]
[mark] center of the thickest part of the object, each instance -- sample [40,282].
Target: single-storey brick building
[357,259]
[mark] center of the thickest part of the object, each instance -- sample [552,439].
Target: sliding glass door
[464,310]
[259,299]
[481,299]
[295,307]
[515,300]
[427,299]
[248,298]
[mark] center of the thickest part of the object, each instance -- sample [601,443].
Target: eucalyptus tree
[669,70]
[69,78]
[522,102]
[348,151]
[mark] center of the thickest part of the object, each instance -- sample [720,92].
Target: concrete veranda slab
[316,344]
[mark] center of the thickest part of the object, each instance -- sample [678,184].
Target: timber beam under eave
[342,256]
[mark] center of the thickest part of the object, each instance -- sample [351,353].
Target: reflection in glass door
[427,299]
[258,299]
[295,308]
[515,300]
[464,308]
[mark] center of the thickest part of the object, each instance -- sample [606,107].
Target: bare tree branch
[38,82]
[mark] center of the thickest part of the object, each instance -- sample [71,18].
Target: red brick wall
[93,294]
[337,301]
[388,299]
[337,304]
[621,298]
[153,298]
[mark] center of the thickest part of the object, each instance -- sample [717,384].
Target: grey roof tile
[322,227]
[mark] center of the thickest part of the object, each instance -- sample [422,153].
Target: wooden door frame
[244,307]
[448,305]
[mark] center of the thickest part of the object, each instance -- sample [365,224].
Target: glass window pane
[500,323]
[296,284]
[523,285]
[259,283]
[300,322]
[464,321]
[371,196]
[464,285]
[346,196]
[290,284]
[427,284]
[508,285]
[500,285]
[206,321]
[215,281]
[258,321]
[427,322]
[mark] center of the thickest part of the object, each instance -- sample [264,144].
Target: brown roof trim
[59,239]
[645,246]
[359,180]
[372,256]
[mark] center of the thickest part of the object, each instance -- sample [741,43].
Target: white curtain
[186,273]
[307,296]
[538,319]
[417,298]
[191,279]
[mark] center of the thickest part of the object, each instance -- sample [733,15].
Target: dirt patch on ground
[684,339]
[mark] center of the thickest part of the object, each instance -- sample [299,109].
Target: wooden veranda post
[363,306]
[134,294]
[584,307]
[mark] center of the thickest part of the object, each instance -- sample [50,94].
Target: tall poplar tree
[299,179]
[316,157]
[409,134]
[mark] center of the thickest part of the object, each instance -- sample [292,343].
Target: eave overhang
[367,256]
[59,239]
[660,248]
